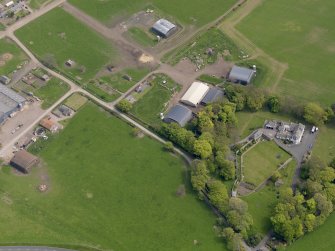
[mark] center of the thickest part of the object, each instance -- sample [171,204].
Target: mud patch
[7,56]
[144,58]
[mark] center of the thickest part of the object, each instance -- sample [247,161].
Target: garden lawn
[300,34]
[51,92]
[154,102]
[262,203]
[198,13]
[107,189]
[16,56]
[76,101]
[57,37]
[141,37]
[261,161]
[118,82]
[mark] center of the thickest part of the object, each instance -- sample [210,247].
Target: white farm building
[195,94]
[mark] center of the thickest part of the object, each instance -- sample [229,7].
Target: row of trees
[298,214]
[253,99]
[208,138]
[236,223]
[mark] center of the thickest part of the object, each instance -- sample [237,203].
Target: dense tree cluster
[253,99]
[124,106]
[298,214]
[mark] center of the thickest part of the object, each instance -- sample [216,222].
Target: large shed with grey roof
[164,28]
[178,114]
[213,95]
[10,102]
[241,75]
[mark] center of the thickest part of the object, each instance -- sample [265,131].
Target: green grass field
[51,92]
[76,101]
[260,162]
[36,4]
[300,34]
[15,57]
[321,239]
[197,49]
[141,37]
[210,79]
[198,13]
[261,204]
[107,189]
[57,36]
[121,84]
[154,102]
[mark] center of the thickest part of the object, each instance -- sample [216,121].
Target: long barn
[10,102]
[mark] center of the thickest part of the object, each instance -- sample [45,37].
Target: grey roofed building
[179,114]
[241,75]
[164,28]
[10,102]
[4,80]
[213,95]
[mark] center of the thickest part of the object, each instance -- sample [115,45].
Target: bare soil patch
[7,56]
[144,58]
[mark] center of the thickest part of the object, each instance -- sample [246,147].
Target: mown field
[10,56]
[300,34]
[57,36]
[262,203]
[107,189]
[198,13]
[260,162]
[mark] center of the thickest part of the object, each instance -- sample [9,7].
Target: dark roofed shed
[178,114]
[241,75]
[23,161]
[213,95]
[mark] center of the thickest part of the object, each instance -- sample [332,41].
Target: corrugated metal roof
[163,26]
[195,94]
[213,95]
[11,94]
[241,74]
[9,101]
[179,114]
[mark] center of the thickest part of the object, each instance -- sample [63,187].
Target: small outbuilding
[24,161]
[195,94]
[241,75]
[164,28]
[179,114]
[4,80]
[213,95]
[66,111]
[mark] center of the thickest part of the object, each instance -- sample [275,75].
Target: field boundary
[228,26]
